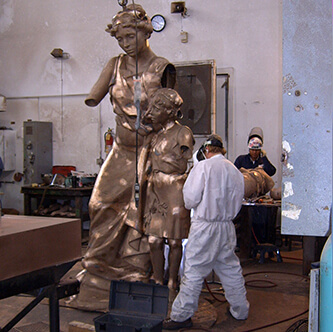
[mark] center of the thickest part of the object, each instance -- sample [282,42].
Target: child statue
[165,219]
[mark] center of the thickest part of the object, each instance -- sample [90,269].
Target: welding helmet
[256,132]
[255,143]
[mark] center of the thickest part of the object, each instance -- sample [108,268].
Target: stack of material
[57,210]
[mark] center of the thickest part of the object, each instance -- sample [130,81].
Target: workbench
[35,253]
[33,196]
[256,223]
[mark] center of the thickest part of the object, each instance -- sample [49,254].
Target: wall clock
[158,22]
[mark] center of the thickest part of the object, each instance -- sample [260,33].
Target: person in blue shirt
[257,156]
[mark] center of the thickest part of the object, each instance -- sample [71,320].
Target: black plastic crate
[134,306]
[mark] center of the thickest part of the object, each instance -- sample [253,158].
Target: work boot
[169,324]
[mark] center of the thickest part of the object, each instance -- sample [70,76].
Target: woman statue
[117,249]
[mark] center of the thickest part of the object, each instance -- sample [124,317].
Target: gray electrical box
[8,149]
[37,150]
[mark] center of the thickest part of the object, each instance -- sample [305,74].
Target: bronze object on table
[257,218]
[256,182]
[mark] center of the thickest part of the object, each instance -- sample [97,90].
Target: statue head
[168,100]
[133,16]
[164,107]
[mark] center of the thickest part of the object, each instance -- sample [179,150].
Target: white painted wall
[243,35]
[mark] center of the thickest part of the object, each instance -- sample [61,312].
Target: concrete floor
[277,292]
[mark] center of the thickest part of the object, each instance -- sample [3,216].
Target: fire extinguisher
[108,139]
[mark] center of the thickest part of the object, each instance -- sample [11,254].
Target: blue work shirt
[246,162]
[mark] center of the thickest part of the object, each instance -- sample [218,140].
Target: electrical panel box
[8,149]
[37,150]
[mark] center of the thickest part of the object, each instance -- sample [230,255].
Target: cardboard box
[134,306]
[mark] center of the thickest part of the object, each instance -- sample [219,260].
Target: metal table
[47,281]
[257,218]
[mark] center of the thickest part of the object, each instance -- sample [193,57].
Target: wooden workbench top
[29,243]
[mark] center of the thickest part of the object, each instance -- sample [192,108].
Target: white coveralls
[214,190]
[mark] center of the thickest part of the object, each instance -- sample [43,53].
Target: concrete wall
[245,36]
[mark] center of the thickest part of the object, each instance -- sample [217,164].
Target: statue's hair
[168,99]
[133,16]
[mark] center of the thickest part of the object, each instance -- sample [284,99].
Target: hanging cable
[137,100]
[62,101]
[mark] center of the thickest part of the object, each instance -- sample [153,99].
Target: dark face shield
[201,154]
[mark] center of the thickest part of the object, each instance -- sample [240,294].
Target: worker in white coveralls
[214,190]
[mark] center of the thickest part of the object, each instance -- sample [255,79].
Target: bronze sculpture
[117,249]
[165,219]
[256,182]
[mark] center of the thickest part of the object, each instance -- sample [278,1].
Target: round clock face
[158,22]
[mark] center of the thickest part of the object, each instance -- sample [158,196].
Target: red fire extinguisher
[108,139]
